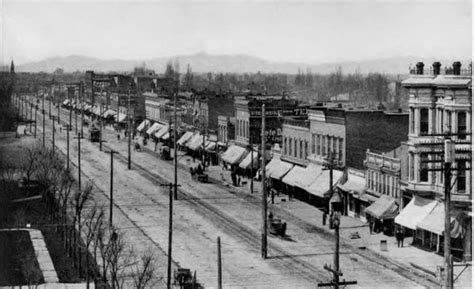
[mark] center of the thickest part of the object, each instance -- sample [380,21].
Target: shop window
[305,149]
[290,147]
[323,148]
[313,144]
[424,121]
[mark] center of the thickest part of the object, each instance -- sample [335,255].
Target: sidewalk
[409,257]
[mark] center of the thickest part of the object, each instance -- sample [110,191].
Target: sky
[309,32]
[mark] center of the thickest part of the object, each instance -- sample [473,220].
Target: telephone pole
[44,118]
[336,270]
[264,191]
[36,117]
[78,137]
[448,159]
[112,152]
[81,94]
[175,135]
[129,161]
[219,264]
[100,124]
[170,231]
[251,166]
[54,129]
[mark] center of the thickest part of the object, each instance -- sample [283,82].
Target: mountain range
[203,63]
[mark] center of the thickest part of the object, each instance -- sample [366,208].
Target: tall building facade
[440,107]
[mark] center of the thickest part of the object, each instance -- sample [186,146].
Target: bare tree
[79,199]
[93,221]
[118,257]
[28,163]
[143,271]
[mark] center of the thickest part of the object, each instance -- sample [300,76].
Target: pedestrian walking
[371,227]
[60,129]
[238,181]
[118,136]
[325,216]
[398,236]
[402,236]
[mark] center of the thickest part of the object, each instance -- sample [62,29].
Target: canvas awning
[385,207]
[195,143]
[434,222]
[354,183]
[162,131]
[96,110]
[210,146]
[66,102]
[152,129]
[166,136]
[308,176]
[234,154]
[320,186]
[293,175]
[142,125]
[185,137]
[416,210]
[245,163]
[277,168]
[121,117]
[109,113]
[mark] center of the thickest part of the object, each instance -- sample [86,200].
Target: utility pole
[448,159]
[336,271]
[219,264]
[112,152]
[49,107]
[100,125]
[81,94]
[54,129]
[78,137]
[36,117]
[129,163]
[59,107]
[175,135]
[251,165]
[44,118]
[75,110]
[170,232]
[264,191]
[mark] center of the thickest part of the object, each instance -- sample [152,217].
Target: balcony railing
[381,160]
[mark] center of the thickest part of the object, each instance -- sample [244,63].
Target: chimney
[419,68]
[436,68]
[457,68]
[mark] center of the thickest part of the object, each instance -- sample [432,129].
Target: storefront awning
[195,143]
[320,185]
[120,117]
[308,176]
[66,102]
[152,129]
[233,154]
[354,183]
[385,207]
[434,222]
[416,210]
[210,146]
[166,136]
[142,125]
[109,113]
[185,137]
[277,168]
[293,175]
[162,131]
[245,163]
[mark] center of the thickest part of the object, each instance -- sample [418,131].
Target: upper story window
[461,177]
[423,167]
[412,120]
[462,124]
[424,121]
